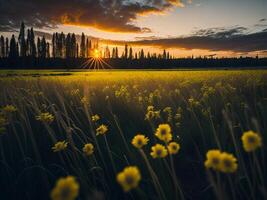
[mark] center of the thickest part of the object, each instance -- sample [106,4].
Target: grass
[205,109]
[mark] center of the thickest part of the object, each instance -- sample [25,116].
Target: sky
[184,27]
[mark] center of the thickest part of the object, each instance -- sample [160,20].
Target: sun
[95,61]
[96,54]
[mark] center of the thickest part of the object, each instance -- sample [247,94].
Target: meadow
[133,134]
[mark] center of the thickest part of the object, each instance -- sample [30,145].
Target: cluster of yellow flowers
[60,146]
[158,150]
[221,161]
[129,178]
[9,109]
[65,189]
[101,130]
[152,114]
[45,117]
[88,149]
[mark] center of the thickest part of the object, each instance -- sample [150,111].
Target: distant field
[205,109]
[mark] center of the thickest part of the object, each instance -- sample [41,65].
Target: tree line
[65,46]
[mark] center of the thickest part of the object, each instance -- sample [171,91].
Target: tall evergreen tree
[32,43]
[39,48]
[113,53]
[83,47]
[164,55]
[2,47]
[73,45]
[87,48]
[131,53]
[126,51]
[22,41]
[7,47]
[68,46]
[47,50]
[13,48]
[142,54]
[43,48]
[54,45]
[116,53]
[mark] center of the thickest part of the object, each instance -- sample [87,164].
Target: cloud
[108,15]
[235,39]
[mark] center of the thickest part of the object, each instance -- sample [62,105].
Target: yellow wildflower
[213,159]
[173,148]
[227,163]
[45,117]
[84,100]
[95,118]
[163,132]
[65,189]
[251,141]
[101,130]
[139,141]
[9,109]
[158,151]
[60,146]
[88,149]
[129,178]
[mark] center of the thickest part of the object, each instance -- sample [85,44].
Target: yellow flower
[88,149]
[227,163]
[164,132]
[74,92]
[84,100]
[251,141]
[158,151]
[213,159]
[173,148]
[139,141]
[101,130]
[60,146]
[9,109]
[45,117]
[129,178]
[65,189]
[95,118]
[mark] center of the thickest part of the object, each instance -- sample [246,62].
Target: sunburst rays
[95,62]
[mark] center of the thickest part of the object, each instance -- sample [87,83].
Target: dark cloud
[108,15]
[234,39]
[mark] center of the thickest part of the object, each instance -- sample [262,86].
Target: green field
[205,109]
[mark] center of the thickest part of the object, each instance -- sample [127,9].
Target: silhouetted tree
[73,45]
[164,55]
[113,55]
[116,53]
[83,47]
[2,47]
[43,48]
[7,47]
[131,53]
[142,54]
[47,50]
[22,41]
[13,48]
[68,46]
[32,44]
[125,51]
[39,48]
[54,45]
